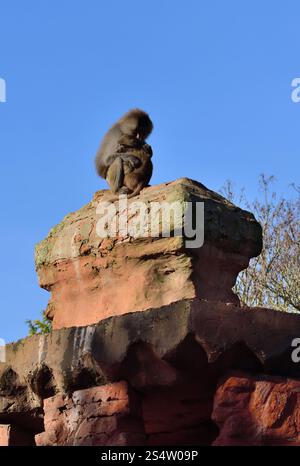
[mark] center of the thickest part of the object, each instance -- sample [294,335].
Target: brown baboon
[124,158]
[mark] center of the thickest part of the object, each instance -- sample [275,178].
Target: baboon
[134,178]
[124,158]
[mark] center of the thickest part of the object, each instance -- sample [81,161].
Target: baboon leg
[137,190]
[124,190]
[115,175]
[131,160]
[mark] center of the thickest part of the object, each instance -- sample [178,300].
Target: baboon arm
[115,175]
[131,160]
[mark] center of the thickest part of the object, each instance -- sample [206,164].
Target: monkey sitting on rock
[124,158]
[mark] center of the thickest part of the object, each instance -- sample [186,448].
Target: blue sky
[215,77]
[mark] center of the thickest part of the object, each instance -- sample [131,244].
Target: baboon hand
[130,160]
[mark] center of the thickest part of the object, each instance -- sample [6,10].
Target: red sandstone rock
[179,415]
[4,435]
[106,415]
[112,415]
[92,278]
[257,410]
[11,435]
[177,408]
[152,350]
[65,387]
[202,435]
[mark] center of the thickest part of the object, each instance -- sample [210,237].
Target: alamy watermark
[152,219]
[2,90]
[2,350]
[295,95]
[296,352]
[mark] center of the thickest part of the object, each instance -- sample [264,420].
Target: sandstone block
[257,410]
[95,416]
[91,278]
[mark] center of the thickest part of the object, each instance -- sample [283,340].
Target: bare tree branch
[273,278]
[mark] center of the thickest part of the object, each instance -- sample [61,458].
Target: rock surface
[91,278]
[106,415]
[257,410]
[150,345]
[14,436]
[172,358]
